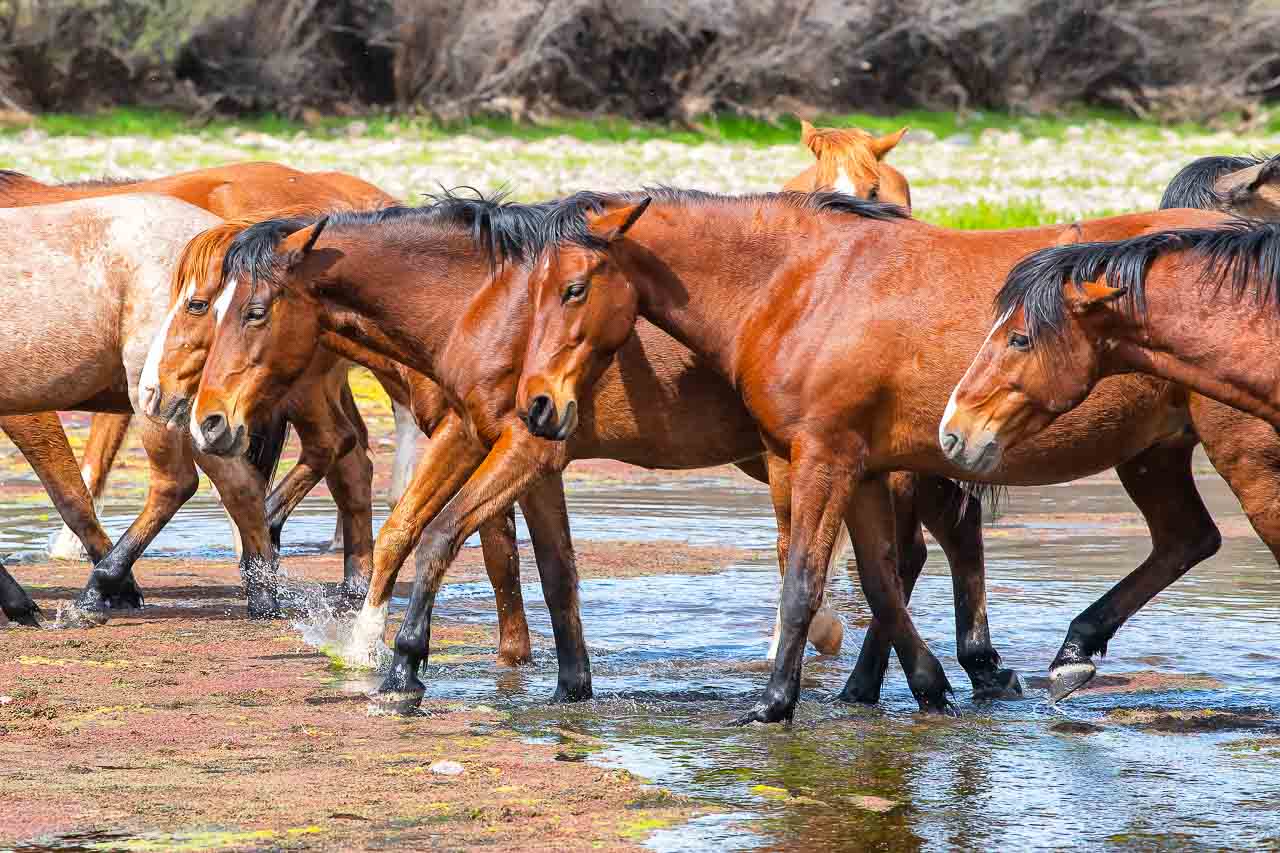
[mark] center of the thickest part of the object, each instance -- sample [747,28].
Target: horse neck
[697,290]
[384,297]
[1207,342]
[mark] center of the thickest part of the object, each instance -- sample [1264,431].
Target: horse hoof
[75,616]
[263,604]
[27,617]
[363,654]
[766,712]
[938,704]
[128,597]
[395,703]
[1067,678]
[1004,684]
[571,692]
[860,694]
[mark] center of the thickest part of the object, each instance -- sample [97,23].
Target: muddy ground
[186,725]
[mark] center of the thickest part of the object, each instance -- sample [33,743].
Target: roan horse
[851,161]
[1196,307]
[849,326]
[86,282]
[417,286]
[226,191]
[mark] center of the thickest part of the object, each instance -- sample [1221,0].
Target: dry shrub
[641,58]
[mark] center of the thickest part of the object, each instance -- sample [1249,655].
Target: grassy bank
[982,171]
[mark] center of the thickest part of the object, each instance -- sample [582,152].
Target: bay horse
[851,161]
[227,191]
[1245,186]
[85,282]
[417,286]
[843,325]
[1196,307]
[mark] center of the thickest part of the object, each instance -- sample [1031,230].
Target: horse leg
[106,434]
[548,519]
[820,487]
[516,462]
[955,520]
[451,457]
[502,563]
[173,482]
[868,673]
[406,456]
[43,443]
[244,491]
[340,531]
[1182,534]
[16,605]
[826,631]
[1246,451]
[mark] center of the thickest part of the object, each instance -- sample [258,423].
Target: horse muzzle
[542,419]
[977,453]
[215,436]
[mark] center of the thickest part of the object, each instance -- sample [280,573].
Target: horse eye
[574,292]
[197,306]
[1019,341]
[255,312]
[874,195]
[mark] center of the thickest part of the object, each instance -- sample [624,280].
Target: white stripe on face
[149,382]
[223,303]
[951,401]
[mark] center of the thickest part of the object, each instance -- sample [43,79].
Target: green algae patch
[641,828]
[193,842]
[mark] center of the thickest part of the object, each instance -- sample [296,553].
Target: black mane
[1243,254]
[510,232]
[500,229]
[1193,186]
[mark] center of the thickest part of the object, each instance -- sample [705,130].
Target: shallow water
[675,658]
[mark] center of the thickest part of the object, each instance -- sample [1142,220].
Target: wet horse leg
[820,489]
[1246,452]
[173,482]
[406,457]
[244,493]
[106,434]
[43,443]
[516,462]
[342,523]
[548,519]
[350,482]
[450,458]
[826,631]
[1182,534]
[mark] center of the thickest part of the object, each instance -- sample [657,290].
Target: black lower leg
[16,604]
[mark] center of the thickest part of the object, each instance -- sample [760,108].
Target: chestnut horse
[851,161]
[226,191]
[1196,307]
[849,326]
[416,286]
[1244,186]
[75,271]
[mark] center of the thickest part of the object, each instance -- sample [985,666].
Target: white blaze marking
[224,302]
[950,411]
[843,184]
[149,383]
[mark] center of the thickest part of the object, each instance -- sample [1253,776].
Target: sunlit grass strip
[1025,213]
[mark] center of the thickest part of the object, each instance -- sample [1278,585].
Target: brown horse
[851,161]
[1196,307]
[415,286]
[844,326]
[226,191]
[1244,186]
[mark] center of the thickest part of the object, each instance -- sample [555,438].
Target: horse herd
[820,339]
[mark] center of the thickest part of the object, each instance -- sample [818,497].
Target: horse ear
[1093,294]
[612,225]
[299,244]
[884,144]
[808,134]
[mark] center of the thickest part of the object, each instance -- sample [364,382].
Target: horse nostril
[952,443]
[541,412]
[213,426]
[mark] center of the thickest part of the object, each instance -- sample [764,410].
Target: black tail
[15,602]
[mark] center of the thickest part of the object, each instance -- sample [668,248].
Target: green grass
[1026,213]
[127,121]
